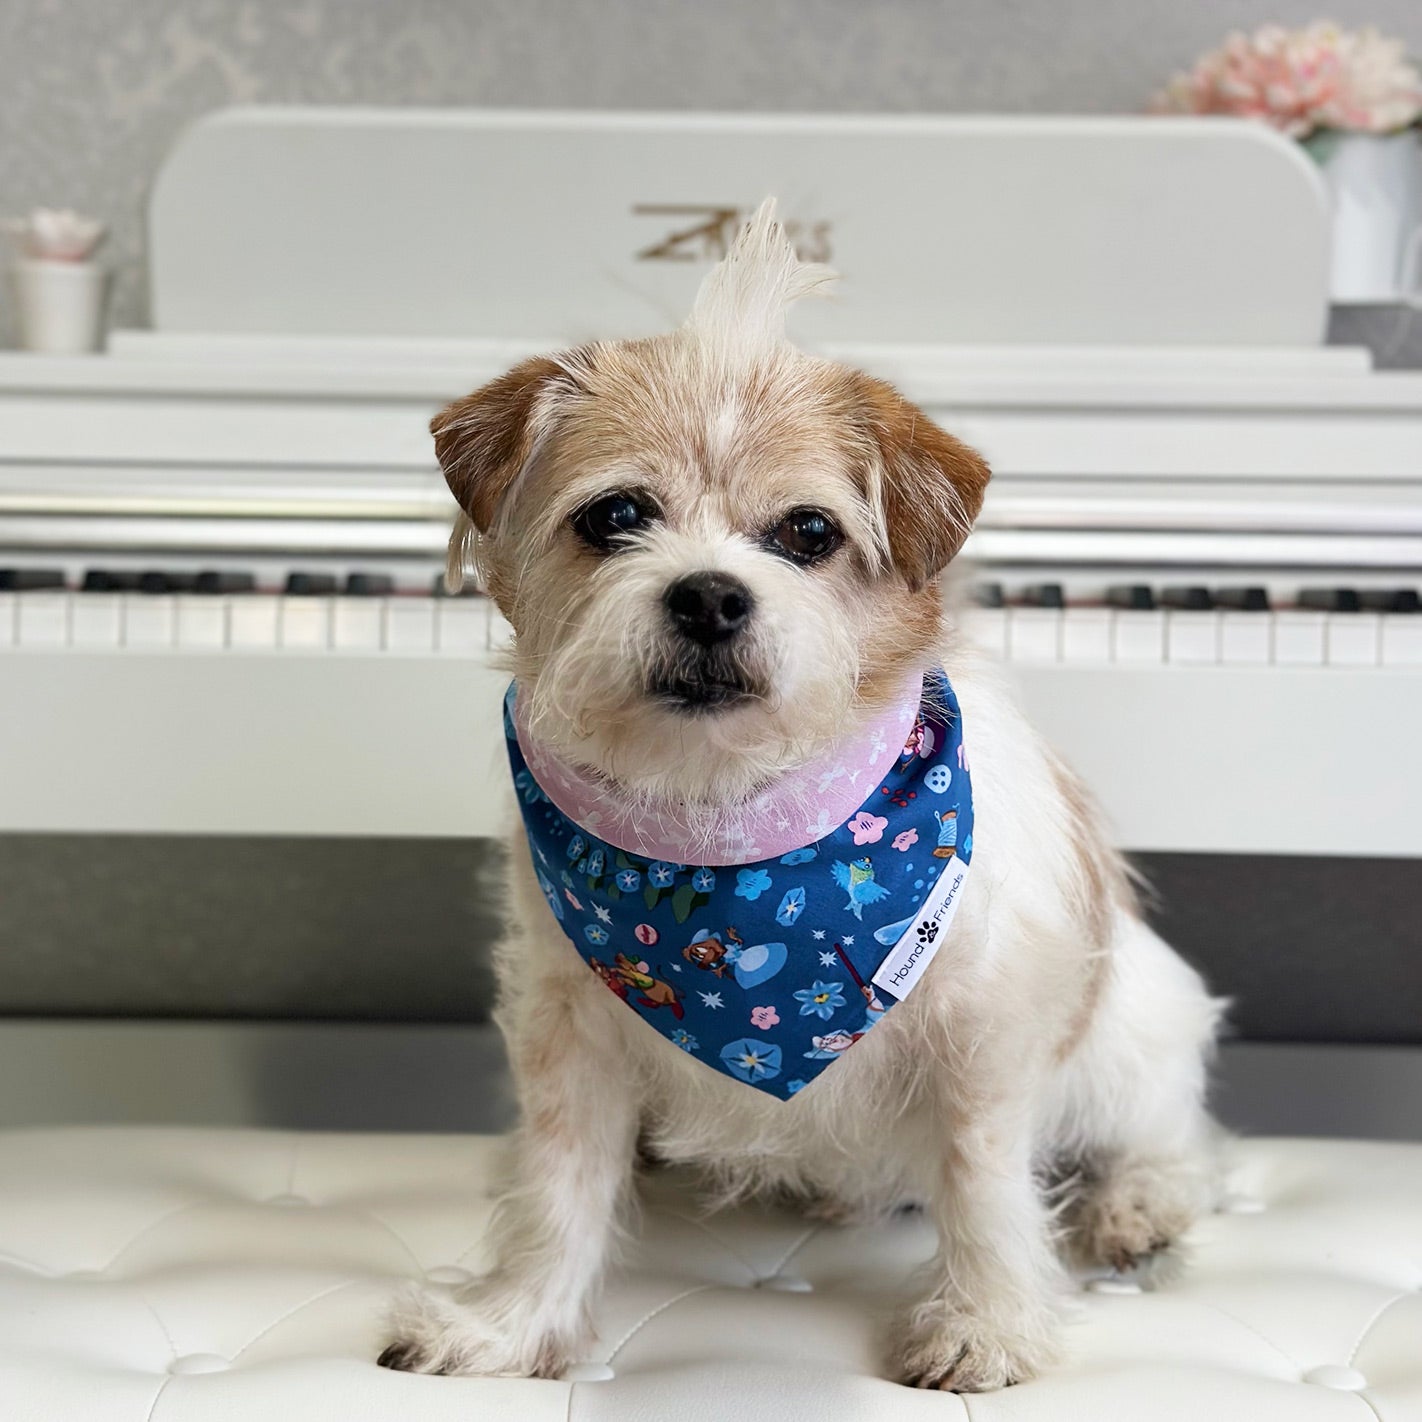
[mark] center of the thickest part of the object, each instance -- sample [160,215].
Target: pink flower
[867,828]
[764,1017]
[906,839]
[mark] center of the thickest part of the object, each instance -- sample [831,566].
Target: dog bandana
[769,946]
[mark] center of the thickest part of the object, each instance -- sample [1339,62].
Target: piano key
[1033,634]
[310,584]
[369,585]
[157,581]
[1390,600]
[1192,638]
[96,620]
[304,620]
[358,624]
[1329,599]
[1401,641]
[1137,597]
[1086,634]
[1353,639]
[1190,598]
[30,579]
[1298,638]
[409,624]
[1246,639]
[987,627]
[1043,595]
[109,580]
[7,619]
[149,620]
[1139,637]
[252,623]
[212,583]
[42,619]
[462,625]
[1251,598]
[987,595]
[202,621]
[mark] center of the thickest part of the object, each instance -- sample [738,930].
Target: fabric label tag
[900,971]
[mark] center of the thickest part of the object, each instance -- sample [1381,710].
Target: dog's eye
[806,535]
[603,522]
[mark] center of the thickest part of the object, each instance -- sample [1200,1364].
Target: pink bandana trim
[801,807]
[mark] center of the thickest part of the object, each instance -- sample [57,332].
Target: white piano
[1201,553]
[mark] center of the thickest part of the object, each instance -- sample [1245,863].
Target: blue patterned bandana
[771,970]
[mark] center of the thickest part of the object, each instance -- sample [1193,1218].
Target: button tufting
[1241,1205]
[448,1274]
[199,1363]
[785,1284]
[588,1372]
[1112,1284]
[288,1201]
[1335,1375]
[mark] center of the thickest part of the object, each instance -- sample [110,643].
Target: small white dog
[722,559]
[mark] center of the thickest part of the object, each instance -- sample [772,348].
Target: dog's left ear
[485,439]
[930,486]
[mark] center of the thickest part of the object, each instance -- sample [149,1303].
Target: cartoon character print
[652,992]
[857,880]
[752,965]
[947,844]
[610,977]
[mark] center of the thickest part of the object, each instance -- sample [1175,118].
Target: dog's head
[715,550]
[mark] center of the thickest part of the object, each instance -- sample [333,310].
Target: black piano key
[310,584]
[30,579]
[214,583]
[1243,599]
[1390,600]
[1329,599]
[369,585]
[108,580]
[1192,598]
[987,594]
[1134,597]
[1044,595]
[158,581]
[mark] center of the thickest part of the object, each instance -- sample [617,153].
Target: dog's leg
[554,1227]
[992,1315]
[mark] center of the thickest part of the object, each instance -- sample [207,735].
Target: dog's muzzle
[708,612]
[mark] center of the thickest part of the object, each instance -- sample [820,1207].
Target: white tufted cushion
[218,1276]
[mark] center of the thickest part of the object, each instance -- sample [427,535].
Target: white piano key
[1298,638]
[149,620]
[202,622]
[96,620]
[986,627]
[1140,637]
[501,633]
[463,625]
[43,619]
[409,624]
[304,623]
[7,619]
[1192,638]
[358,624]
[1402,640]
[1086,634]
[1034,634]
[1246,638]
[1353,639]
[252,622]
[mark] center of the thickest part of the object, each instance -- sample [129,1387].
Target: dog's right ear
[485,439]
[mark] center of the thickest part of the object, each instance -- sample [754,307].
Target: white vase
[1376,182]
[60,305]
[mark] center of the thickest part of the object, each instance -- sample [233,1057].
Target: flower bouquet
[59,287]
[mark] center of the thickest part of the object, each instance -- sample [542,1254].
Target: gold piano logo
[709,230]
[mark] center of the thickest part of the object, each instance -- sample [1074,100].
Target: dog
[723,557]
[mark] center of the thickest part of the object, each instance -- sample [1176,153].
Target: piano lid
[550,228]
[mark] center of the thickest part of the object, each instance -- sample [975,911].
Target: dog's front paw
[947,1347]
[489,1330]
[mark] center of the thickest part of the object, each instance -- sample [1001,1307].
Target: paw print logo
[927,931]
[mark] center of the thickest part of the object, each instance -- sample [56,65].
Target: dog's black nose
[709,607]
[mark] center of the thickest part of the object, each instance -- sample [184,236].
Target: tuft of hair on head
[739,312]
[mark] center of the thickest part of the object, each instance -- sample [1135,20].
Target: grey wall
[93,92]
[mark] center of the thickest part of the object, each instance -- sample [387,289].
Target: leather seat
[205,1276]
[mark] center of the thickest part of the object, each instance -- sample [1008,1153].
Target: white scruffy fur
[1041,1091]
